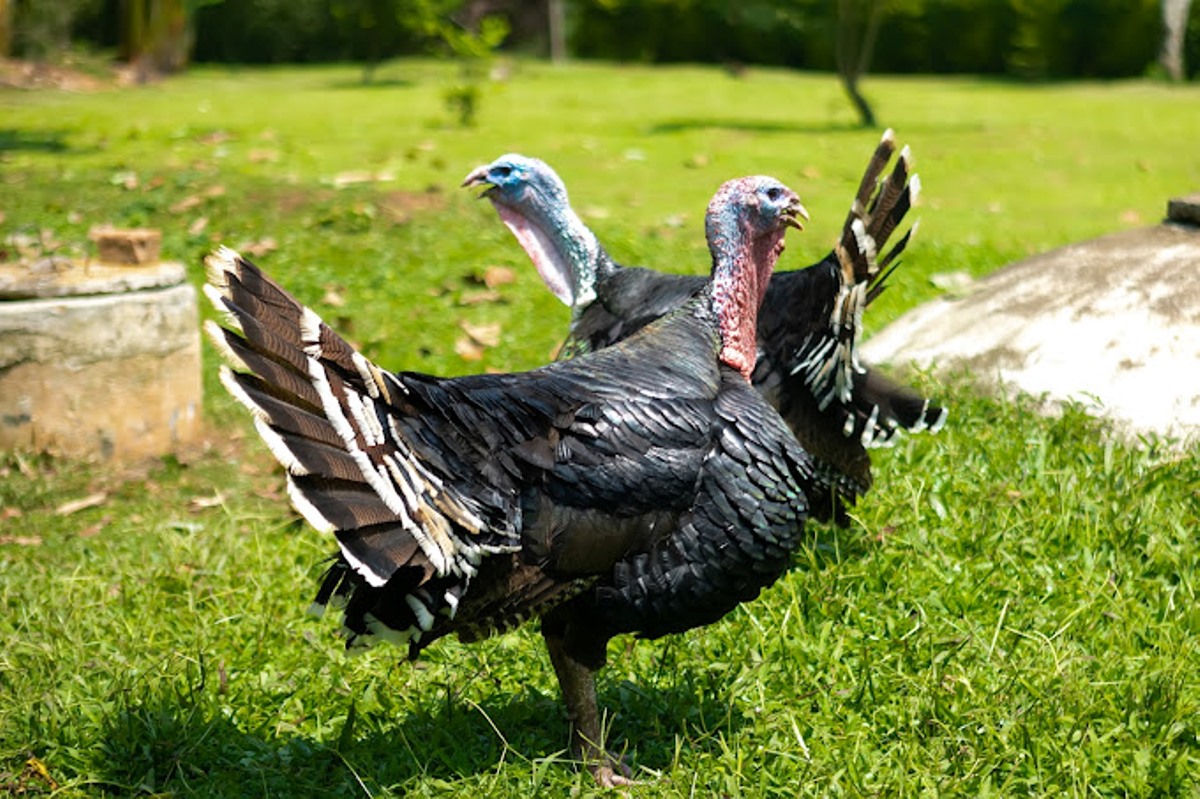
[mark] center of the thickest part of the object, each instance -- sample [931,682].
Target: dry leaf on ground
[495,276]
[467,349]
[479,297]
[83,503]
[487,335]
[22,540]
[258,249]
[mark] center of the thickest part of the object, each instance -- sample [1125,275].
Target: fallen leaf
[263,156]
[10,513]
[333,296]
[126,179]
[214,191]
[952,281]
[498,276]
[468,349]
[487,335]
[696,161]
[76,505]
[810,172]
[214,138]
[1131,217]
[596,212]
[36,769]
[154,183]
[197,227]
[197,504]
[343,179]
[74,217]
[259,248]
[186,204]
[479,297]
[22,540]
[94,529]
[3,217]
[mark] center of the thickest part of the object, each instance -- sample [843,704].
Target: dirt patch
[404,205]
[19,74]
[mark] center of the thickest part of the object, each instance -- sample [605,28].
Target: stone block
[127,245]
[111,376]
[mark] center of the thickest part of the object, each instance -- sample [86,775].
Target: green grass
[1014,611]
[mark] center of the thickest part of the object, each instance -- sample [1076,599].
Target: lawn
[1014,610]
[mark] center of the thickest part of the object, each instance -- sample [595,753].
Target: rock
[57,276]
[1185,210]
[127,245]
[1113,323]
[113,377]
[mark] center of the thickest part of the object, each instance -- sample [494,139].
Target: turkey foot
[579,695]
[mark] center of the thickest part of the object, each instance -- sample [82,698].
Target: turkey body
[808,325]
[644,488]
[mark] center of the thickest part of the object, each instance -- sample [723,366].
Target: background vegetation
[1019,38]
[1012,613]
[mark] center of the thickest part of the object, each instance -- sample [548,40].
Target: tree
[857,30]
[557,18]
[5,28]
[156,35]
[1175,19]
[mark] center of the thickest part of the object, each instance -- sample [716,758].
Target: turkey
[808,324]
[645,488]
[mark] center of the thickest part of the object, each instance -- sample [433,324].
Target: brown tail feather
[327,416]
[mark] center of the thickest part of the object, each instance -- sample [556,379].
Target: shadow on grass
[45,141]
[778,126]
[161,743]
[377,83]
[748,126]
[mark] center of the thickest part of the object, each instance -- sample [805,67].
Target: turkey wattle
[643,488]
[808,326]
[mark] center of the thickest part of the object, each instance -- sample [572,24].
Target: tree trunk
[1175,18]
[856,38]
[156,35]
[865,115]
[556,12]
[5,28]
[133,29]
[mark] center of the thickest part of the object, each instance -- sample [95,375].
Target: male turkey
[808,325]
[643,488]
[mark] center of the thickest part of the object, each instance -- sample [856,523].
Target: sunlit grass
[1014,611]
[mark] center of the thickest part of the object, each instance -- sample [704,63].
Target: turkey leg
[579,695]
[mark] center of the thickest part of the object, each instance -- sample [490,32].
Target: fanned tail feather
[875,407]
[409,543]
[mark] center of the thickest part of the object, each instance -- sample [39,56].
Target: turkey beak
[479,178]
[794,213]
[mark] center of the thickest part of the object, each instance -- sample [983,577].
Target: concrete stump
[99,360]
[1113,323]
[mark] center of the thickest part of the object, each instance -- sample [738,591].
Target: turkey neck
[566,253]
[742,266]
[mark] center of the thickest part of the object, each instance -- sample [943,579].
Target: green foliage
[270,32]
[474,51]
[1025,38]
[42,29]
[1012,613]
